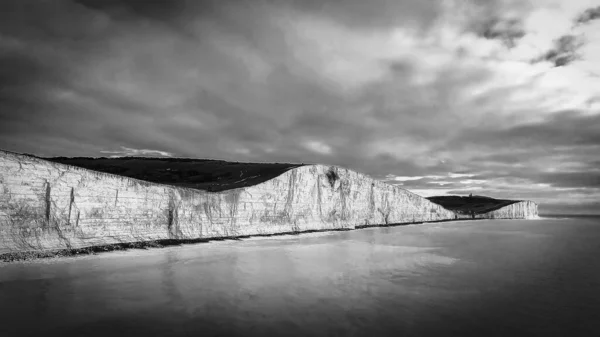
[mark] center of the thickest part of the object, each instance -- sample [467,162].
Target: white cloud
[472,181]
[431,192]
[318,147]
[402,178]
[127,151]
[441,183]
[460,175]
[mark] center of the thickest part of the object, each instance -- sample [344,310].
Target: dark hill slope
[202,174]
[470,205]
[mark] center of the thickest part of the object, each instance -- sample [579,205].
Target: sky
[490,97]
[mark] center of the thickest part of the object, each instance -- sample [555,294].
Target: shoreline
[94,250]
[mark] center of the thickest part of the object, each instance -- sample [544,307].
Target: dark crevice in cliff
[332,177]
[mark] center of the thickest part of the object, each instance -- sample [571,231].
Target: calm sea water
[474,278]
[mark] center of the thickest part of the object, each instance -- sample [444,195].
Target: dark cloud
[374,14]
[154,9]
[353,13]
[571,179]
[564,52]
[508,31]
[24,79]
[43,46]
[588,15]
[567,128]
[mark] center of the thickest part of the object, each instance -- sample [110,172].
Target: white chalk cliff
[50,206]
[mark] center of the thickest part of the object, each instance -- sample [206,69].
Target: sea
[470,278]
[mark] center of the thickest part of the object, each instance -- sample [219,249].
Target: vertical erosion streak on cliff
[385,208]
[344,190]
[289,209]
[71,201]
[319,196]
[232,198]
[48,203]
[172,218]
[372,198]
[209,206]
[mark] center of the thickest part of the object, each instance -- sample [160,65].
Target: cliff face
[47,206]
[519,210]
[479,207]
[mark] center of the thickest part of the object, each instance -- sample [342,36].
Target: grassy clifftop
[472,204]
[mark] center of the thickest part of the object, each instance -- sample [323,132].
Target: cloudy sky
[491,97]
